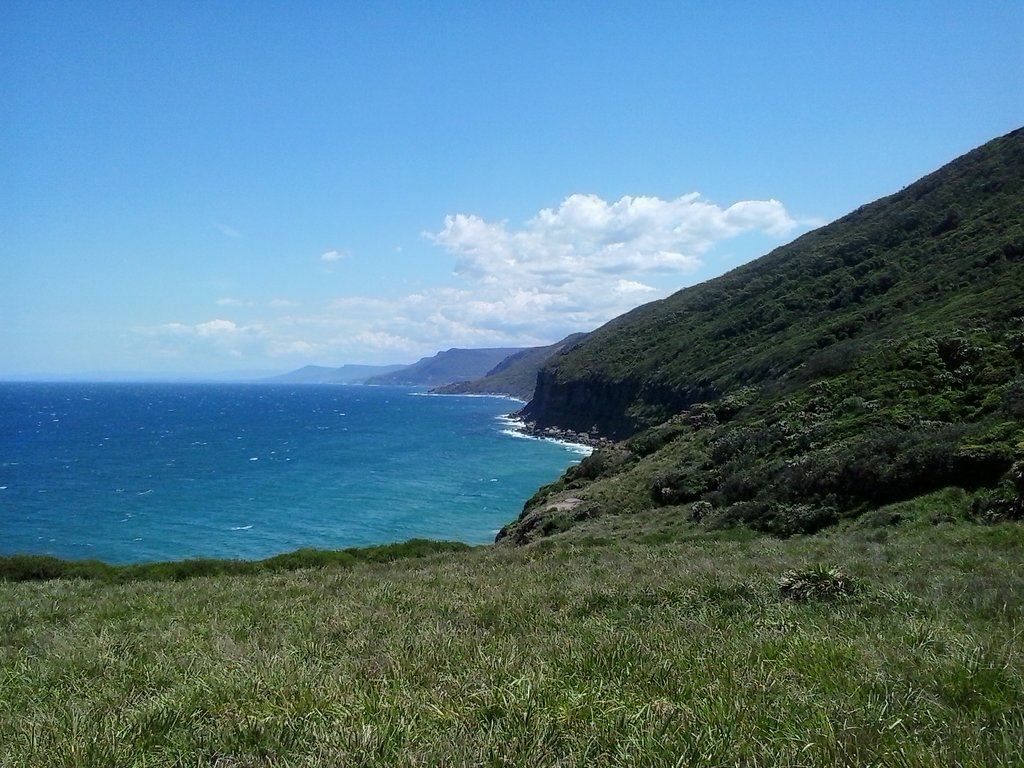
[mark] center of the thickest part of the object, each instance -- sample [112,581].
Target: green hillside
[446,367]
[869,361]
[515,376]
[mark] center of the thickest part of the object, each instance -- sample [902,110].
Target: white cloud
[588,260]
[216,327]
[632,287]
[212,338]
[566,269]
[587,236]
[283,303]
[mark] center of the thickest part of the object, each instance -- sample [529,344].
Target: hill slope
[871,360]
[446,367]
[515,376]
[943,253]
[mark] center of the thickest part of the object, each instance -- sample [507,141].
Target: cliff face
[604,407]
[944,251]
[586,404]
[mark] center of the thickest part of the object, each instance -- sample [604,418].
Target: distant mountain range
[515,376]
[346,374]
[446,367]
[508,371]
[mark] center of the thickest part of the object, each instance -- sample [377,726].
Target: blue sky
[204,187]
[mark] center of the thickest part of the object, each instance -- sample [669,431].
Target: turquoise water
[142,472]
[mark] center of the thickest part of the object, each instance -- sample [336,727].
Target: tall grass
[607,654]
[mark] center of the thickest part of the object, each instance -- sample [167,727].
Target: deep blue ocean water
[143,472]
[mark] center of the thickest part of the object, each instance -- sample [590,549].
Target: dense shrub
[700,510]
[681,485]
[890,466]
[308,558]
[778,519]
[600,463]
[1006,501]
[44,567]
[654,439]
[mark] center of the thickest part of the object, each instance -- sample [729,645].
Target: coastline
[518,427]
[566,437]
[293,455]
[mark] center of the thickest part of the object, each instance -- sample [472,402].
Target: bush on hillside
[890,465]
[601,463]
[43,567]
[1006,501]
[778,519]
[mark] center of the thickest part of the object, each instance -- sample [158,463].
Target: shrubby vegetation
[42,567]
[794,460]
[873,360]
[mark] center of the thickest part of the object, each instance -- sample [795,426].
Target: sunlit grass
[622,653]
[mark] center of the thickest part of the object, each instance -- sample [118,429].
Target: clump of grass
[816,582]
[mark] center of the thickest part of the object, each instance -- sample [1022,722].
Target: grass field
[593,649]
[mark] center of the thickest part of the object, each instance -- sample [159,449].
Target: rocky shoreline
[531,429]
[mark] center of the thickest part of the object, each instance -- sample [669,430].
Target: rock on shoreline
[557,433]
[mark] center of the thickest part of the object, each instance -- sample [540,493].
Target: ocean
[131,472]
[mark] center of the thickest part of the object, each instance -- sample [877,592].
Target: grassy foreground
[597,651]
